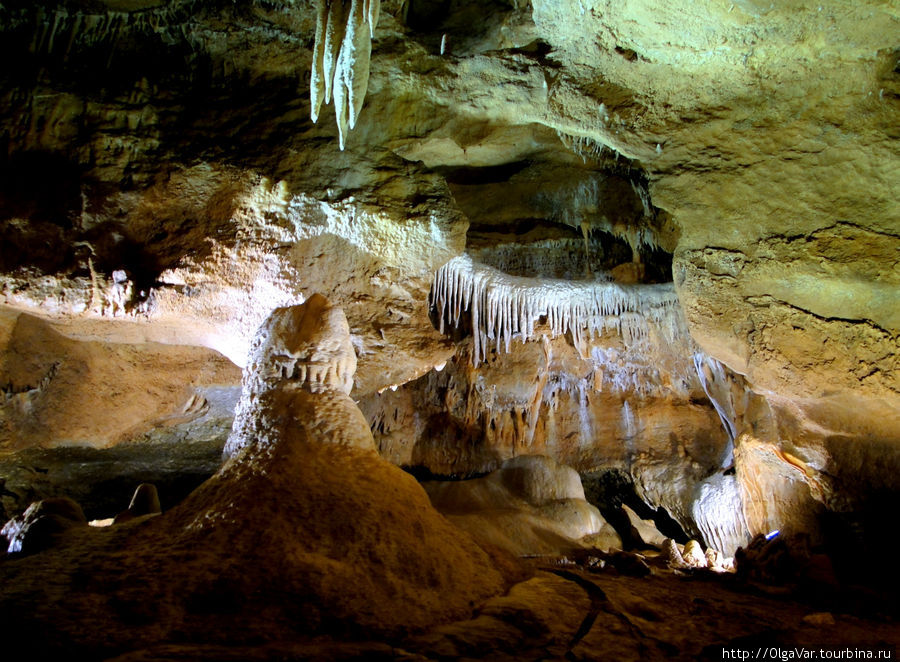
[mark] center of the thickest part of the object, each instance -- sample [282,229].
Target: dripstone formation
[305,530]
[651,245]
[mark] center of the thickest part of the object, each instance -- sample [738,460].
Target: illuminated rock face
[189,194]
[531,505]
[304,530]
[298,352]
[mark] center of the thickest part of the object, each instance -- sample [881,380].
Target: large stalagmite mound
[304,530]
[531,505]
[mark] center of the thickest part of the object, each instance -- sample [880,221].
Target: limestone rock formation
[380,561]
[613,409]
[61,391]
[673,552]
[299,350]
[646,529]
[87,412]
[693,554]
[145,501]
[663,238]
[42,525]
[530,505]
[341,55]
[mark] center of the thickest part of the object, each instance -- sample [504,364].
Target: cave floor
[578,610]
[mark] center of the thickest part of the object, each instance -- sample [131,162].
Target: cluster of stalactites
[503,307]
[340,68]
[585,147]
[577,206]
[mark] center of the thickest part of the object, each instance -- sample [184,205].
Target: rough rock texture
[250,554]
[577,611]
[91,419]
[530,505]
[645,528]
[59,391]
[145,501]
[159,164]
[41,525]
[617,409]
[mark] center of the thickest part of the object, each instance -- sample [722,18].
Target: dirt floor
[618,606]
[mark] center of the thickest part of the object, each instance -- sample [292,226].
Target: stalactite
[340,68]
[711,374]
[728,394]
[503,307]
[576,205]
[586,148]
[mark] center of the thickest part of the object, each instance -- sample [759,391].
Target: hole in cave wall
[609,490]
[424,474]
[495,174]
[466,21]
[427,15]
[554,251]
[552,217]
[658,265]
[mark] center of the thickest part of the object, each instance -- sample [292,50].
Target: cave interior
[449,329]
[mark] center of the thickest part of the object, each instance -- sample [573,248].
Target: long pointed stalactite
[340,69]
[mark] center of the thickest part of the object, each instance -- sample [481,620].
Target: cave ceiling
[163,182]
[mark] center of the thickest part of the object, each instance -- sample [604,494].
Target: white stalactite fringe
[504,307]
[340,68]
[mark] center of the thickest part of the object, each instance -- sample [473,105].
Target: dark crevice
[423,474]
[598,601]
[102,481]
[522,227]
[467,22]
[611,489]
[482,175]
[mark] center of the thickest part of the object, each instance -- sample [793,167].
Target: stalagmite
[718,511]
[694,555]
[504,307]
[343,46]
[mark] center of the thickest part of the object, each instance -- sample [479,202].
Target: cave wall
[160,180]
